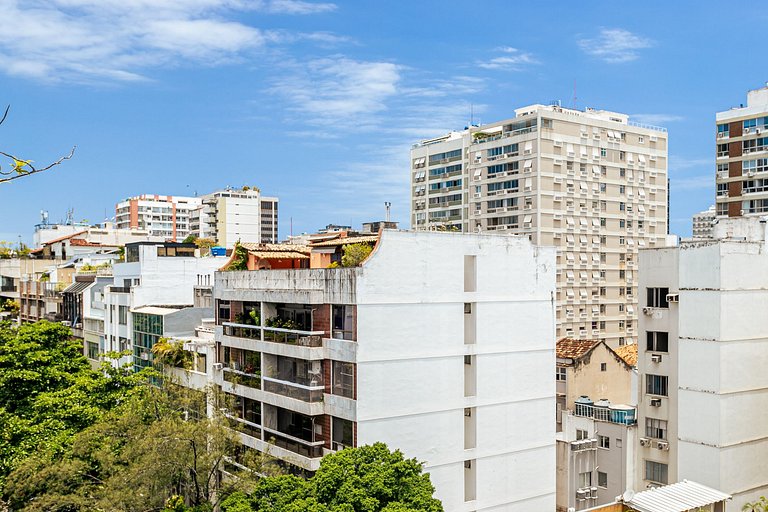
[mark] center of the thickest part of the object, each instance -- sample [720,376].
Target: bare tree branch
[18,172]
[5,114]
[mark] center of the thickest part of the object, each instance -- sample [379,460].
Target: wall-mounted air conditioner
[644,441]
[655,402]
[656,358]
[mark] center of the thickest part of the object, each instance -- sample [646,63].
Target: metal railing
[310,449]
[275,334]
[242,378]
[621,416]
[293,390]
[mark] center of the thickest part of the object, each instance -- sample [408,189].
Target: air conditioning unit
[673,297]
[144,356]
[758,131]
[477,195]
[655,402]
[648,311]
[644,441]
[218,366]
[66,323]
[662,445]
[720,135]
[747,130]
[656,358]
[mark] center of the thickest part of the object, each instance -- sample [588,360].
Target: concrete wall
[586,378]
[412,389]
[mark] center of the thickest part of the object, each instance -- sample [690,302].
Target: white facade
[453,350]
[231,215]
[718,349]
[151,280]
[167,217]
[703,223]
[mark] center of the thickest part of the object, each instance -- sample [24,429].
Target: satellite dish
[628,495]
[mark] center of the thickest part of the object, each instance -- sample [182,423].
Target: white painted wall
[410,357]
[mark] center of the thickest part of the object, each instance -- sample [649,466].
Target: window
[657,429]
[603,152]
[585,479]
[657,341]
[640,139]
[656,384]
[603,367]
[604,442]
[581,434]
[560,373]
[122,315]
[723,129]
[657,298]
[344,379]
[602,479]
[656,472]
[722,150]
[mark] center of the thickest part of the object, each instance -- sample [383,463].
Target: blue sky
[318,102]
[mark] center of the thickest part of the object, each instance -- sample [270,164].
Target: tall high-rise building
[231,215]
[591,182]
[703,386]
[703,223]
[742,158]
[164,216]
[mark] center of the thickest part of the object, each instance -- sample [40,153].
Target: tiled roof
[49,242]
[568,348]
[679,497]
[257,247]
[79,242]
[280,255]
[347,240]
[628,353]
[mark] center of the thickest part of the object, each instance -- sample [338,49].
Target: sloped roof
[679,497]
[628,353]
[568,348]
[77,287]
[85,243]
[277,251]
[49,242]
[347,240]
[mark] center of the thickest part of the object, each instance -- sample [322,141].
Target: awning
[77,287]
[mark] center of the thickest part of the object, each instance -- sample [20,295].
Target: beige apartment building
[742,158]
[592,183]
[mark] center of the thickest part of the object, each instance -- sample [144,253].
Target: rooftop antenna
[44,217]
[70,217]
[387,205]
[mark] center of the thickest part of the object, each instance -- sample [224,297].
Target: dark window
[656,384]
[656,472]
[657,298]
[657,429]
[657,341]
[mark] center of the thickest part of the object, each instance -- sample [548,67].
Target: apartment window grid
[656,384]
[656,472]
[655,428]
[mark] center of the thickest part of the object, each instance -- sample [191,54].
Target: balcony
[242,378]
[309,449]
[275,334]
[311,393]
[243,426]
[623,415]
[120,289]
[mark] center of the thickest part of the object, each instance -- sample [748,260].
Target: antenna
[387,205]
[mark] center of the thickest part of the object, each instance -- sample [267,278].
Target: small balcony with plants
[241,367]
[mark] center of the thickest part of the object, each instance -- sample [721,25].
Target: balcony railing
[120,289]
[293,390]
[242,378]
[244,426]
[621,416]
[275,334]
[311,449]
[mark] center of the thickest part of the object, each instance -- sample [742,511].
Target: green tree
[355,254]
[366,479]
[760,505]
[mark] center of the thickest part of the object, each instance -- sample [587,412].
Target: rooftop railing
[275,334]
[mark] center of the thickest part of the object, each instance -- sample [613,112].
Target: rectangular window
[657,298]
[344,379]
[604,441]
[602,479]
[657,341]
[656,384]
[722,150]
[581,434]
[560,373]
[656,429]
[656,472]
[122,315]
[585,479]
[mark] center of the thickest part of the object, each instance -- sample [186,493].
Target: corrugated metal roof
[77,287]
[680,497]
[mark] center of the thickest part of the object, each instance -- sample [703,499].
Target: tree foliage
[240,259]
[366,479]
[19,167]
[760,505]
[48,391]
[355,254]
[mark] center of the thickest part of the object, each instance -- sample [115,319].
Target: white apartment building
[159,275]
[231,215]
[167,217]
[742,158]
[439,344]
[592,183]
[703,223]
[704,391]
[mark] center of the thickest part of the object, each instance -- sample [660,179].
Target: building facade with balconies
[704,391]
[231,215]
[167,217]
[592,183]
[439,344]
[742,158]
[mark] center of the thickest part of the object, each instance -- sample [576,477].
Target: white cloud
[96,40]
[511,59]
[338,89]
[615,45]
[693,183]
[656,119]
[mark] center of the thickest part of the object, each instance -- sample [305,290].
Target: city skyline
[307,102]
